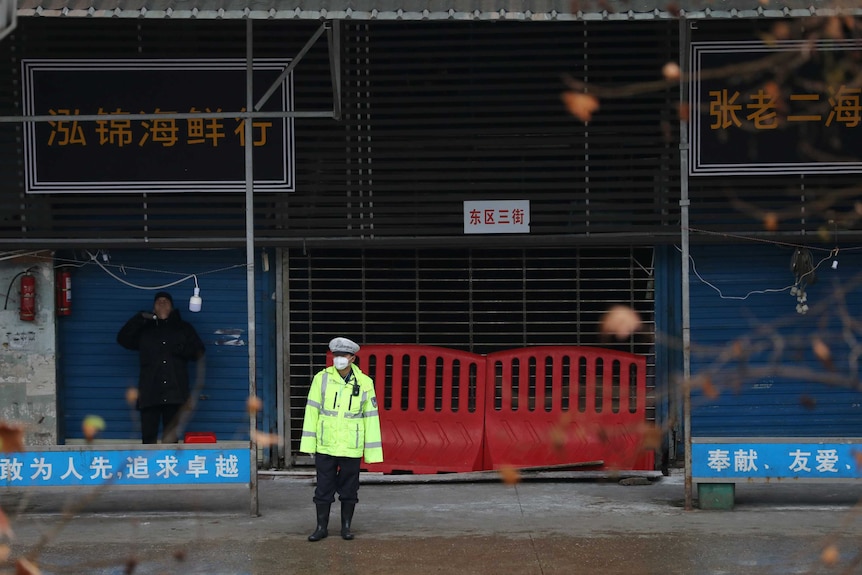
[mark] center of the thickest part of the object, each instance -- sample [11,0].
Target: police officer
[341,425]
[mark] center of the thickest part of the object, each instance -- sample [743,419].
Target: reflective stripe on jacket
[339,423]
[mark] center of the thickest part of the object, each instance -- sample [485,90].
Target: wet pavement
[536,527]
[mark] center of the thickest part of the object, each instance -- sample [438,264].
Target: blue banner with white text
[785,460]
[125,467]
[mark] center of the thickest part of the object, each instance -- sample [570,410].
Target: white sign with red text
[497,217]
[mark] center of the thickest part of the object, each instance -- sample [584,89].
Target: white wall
[28,357]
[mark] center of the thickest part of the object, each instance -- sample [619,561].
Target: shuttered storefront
[753,356]
[433,114]
[95,372]
[759,366]
[474,300]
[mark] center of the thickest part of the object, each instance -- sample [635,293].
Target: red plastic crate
[199,437]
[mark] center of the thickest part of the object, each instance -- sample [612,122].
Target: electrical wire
[801,263]
[753,292]
[764,240]
[94,258]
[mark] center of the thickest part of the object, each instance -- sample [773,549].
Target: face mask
[340,362]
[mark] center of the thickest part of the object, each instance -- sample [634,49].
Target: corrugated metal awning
[490,10]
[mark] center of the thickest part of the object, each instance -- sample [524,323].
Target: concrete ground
[544,525]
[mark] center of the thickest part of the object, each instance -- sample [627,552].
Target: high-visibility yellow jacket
[339,423]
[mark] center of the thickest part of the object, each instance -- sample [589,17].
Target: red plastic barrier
[432,407]
[565,405]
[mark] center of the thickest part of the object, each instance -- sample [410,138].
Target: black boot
[347,508]
[322,522]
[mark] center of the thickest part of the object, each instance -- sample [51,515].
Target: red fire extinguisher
[28,298]
[64,293]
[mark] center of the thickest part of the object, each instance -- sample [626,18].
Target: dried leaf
[708,389]
[834,28]
[509,475]
[602,434]
[671,71]
[821,350]
[621,322]
[781,30]
[651,437]
[830,555]
[580,106]
[808,402]
[5,526]
[11,436]
[772,90]
[25,567]
[266,439]
[557,437]
[253,405]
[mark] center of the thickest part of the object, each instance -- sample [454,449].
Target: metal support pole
[171,116]
[334,37]
[684,202]
[290,67]
[249,261]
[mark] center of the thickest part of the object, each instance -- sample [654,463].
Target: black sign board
[153,155]
[781,107]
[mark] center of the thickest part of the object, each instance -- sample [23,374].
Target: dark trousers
[151,417]
[339,474]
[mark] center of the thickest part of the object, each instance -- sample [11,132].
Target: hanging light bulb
[195,301]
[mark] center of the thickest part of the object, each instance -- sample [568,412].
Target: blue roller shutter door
[95,371]
[772,383]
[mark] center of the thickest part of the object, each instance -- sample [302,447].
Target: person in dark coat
[165,344]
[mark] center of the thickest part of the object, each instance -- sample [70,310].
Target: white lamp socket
[195,301]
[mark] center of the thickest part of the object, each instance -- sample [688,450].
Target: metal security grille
[434,113]
[473,300]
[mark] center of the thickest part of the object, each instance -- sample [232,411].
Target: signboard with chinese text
[743,459]
[774,108]
[152,155]
[125,467]
[497,217]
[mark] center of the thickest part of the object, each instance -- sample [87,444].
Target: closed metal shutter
[752,355]
[95,371]
[434,113]
[469,299]
[753,361]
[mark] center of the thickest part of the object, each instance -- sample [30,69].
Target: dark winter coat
[165,347]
